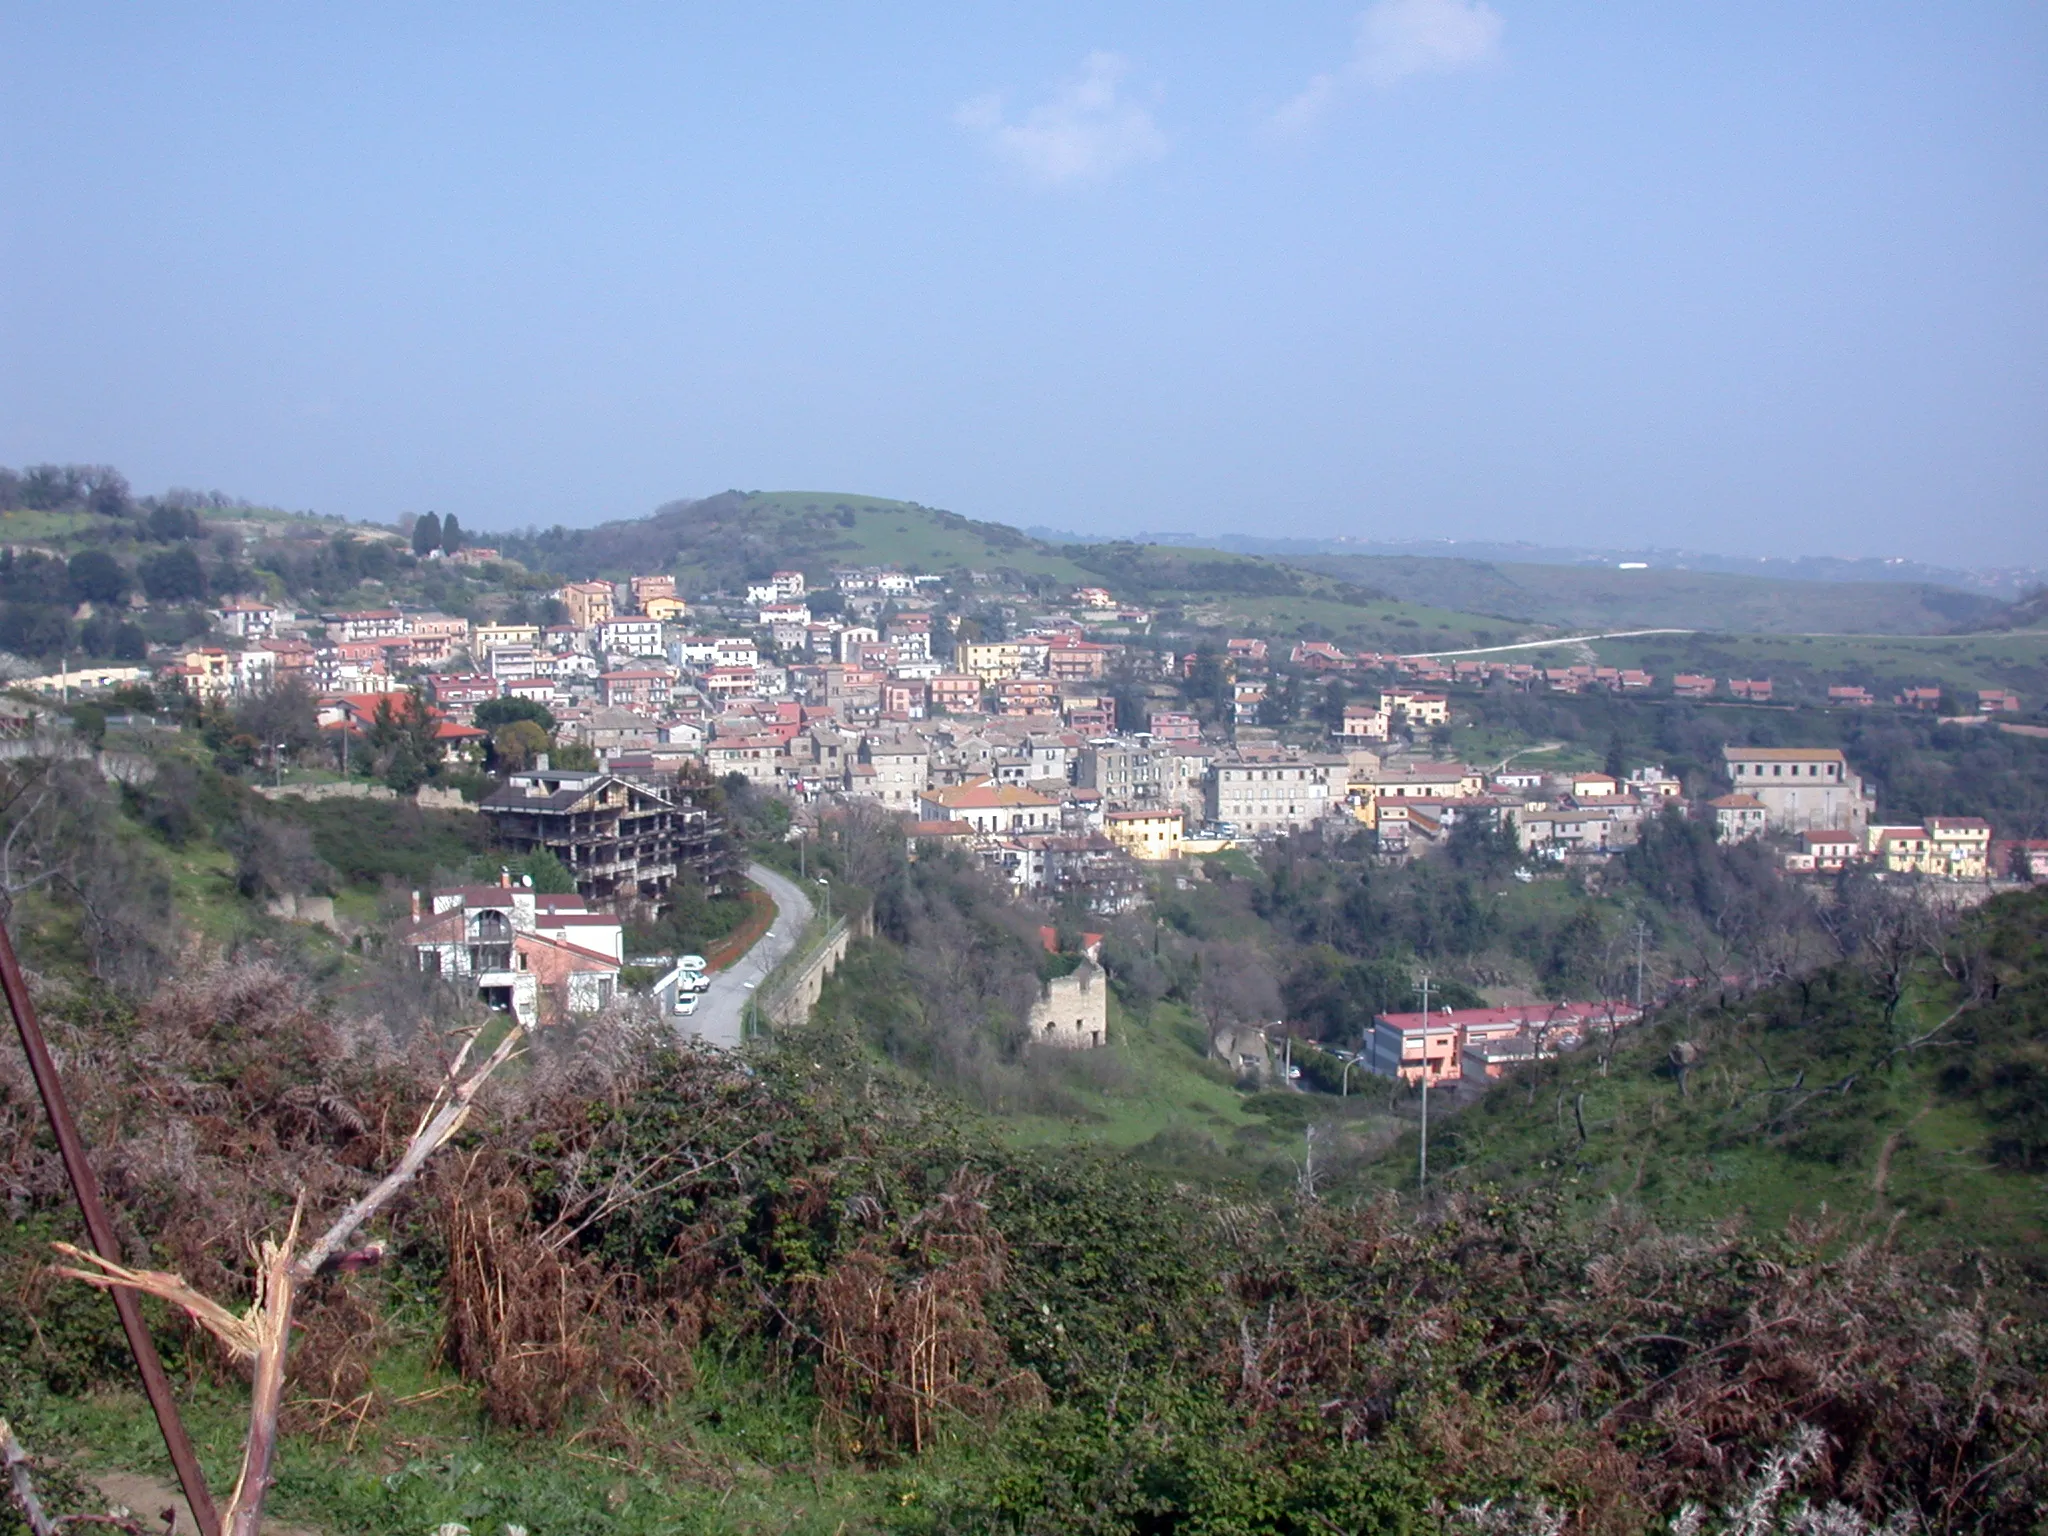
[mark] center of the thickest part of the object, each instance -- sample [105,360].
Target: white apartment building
[631,636]
[1263,798]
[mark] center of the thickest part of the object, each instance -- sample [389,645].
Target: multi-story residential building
[1755,689]
[992,809]
[911,634]
[1419,706]
[1690,685]
[1146,834]
[1266,796]
[1997,701]
[1435,1045]
[641,688]
[1077,661]
[511,663]
[757,759]
[589,603]
[1802,789]
[1429,781]
[616,836]
[1739,817]
[1962,844]
[370,624]
[1027,696]
[540,958]
[1364,722]
[1168,727]
[247,620]
[735,651]
[1557,831]
[905,698]
[901,770]
[991,660]
[646,587]
[670,610]
[1125,773]
[436,636]
[634,635]
[460,691]
[956,693]
[485,636]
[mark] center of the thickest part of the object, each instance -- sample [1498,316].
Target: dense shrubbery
[1130,1354]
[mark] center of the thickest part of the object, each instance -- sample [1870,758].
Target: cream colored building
[1802,789]
[992,661]
[485,637]
[1267,796]
[588,602]
[1148,835]
[1420,706]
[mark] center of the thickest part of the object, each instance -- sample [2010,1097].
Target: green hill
[1604,597]
[721,542]
[1906,1088]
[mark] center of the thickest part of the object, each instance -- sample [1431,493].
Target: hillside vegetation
[1908,1092]
[1587,597]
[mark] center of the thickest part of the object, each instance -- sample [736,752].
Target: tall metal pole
[1642,931]
[100,1231]
[1422,1166]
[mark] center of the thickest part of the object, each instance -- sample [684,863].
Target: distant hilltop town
[1065,748]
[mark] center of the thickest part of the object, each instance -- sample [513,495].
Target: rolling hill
[1806,1099]
[1604,597]
[719,543]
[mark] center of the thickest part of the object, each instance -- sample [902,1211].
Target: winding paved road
[721,1011]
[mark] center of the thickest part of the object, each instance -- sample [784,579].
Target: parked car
[686,1003]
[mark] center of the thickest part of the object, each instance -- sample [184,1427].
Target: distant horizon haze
[1758,280]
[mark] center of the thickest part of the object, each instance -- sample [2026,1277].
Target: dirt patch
[147,1498]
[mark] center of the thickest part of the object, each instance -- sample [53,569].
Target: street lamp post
[827,884]
[277,761]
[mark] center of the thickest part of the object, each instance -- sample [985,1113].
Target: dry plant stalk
[262,1334]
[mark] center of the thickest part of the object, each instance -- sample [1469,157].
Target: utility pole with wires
[1642,933]
[1422,1166]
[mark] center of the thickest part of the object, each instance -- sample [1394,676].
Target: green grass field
[1605,597]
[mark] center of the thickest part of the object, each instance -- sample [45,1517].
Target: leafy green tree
[514,746]
[174,576]
[493,713]
[426,535]
[549,874]
[168,524]
[97,577]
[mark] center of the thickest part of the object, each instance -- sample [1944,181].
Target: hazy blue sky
[1759,277]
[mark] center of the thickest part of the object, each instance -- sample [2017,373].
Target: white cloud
[1398,39]
[1088,131]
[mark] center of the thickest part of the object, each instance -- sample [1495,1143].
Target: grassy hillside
[1811,1099]
[1602,597]
[1883,663]
[723,541]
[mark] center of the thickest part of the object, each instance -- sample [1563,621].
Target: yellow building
[1148,835]
[992,661]
[1960,845]
[588,602]
[670,609]
[484,636]
[1421,708]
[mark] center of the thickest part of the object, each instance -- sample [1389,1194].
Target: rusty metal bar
[100,1232]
